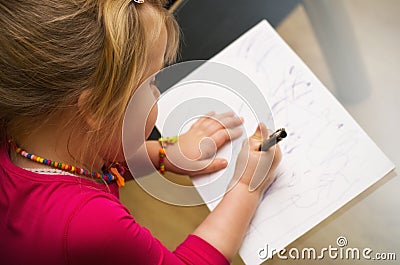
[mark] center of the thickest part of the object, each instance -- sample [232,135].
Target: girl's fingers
[225,114]
[223,123]
[216,165]
[225,135]
[259,136]
[200,121]
[231,122]
[211,122]
[216,118]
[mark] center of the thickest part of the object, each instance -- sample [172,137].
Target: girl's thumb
[261,132]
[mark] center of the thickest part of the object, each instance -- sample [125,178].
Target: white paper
[327,158]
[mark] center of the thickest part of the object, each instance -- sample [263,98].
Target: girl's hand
[194,153]
[256,169]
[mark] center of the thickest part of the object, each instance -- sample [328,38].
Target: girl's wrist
[244,190]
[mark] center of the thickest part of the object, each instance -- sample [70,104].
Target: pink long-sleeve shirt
[61,219]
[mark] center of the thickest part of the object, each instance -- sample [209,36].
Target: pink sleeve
[103,231]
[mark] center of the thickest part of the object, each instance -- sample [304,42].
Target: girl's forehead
[153,21]
[157,49]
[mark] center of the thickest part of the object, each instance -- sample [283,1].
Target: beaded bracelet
[164,141]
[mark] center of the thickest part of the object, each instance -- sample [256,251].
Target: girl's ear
[87,116]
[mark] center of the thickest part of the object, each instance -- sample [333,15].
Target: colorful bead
[110,177]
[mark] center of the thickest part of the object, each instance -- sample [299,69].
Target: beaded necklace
[110,174]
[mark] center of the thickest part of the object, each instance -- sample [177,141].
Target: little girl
[67,72]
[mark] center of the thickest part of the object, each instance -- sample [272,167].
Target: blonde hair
[51,51]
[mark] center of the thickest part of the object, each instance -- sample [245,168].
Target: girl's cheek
[140,118]
[152,117]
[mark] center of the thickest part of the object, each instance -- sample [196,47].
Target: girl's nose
[156,92]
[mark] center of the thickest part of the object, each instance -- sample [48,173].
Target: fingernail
[224,162]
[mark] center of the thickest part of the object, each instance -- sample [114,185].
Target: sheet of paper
[327,158]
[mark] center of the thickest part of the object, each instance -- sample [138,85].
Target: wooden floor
[372,19]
